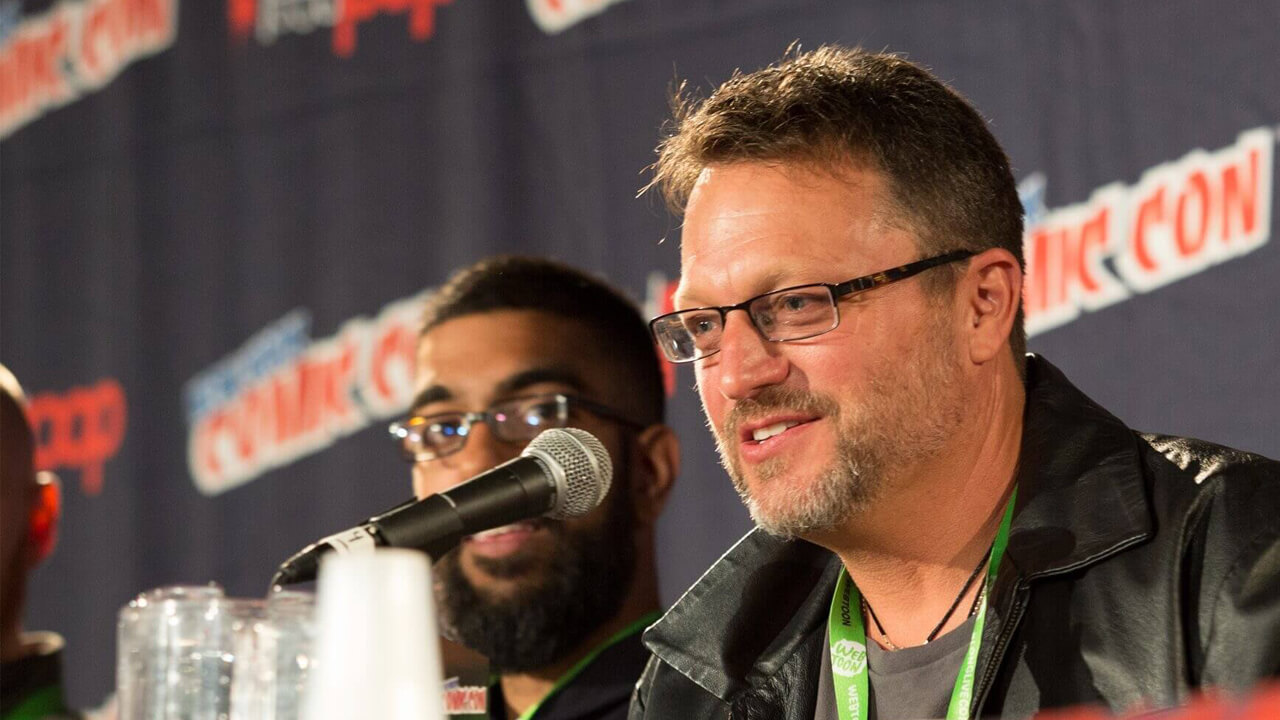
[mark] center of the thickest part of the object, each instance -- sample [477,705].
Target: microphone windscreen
[581,466]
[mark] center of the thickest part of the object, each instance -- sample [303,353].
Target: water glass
[191,653]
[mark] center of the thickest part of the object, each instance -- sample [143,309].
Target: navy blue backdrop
[217,218]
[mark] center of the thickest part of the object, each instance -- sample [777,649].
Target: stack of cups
[377,648]
[191,653]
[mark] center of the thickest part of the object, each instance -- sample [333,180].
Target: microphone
[562,473]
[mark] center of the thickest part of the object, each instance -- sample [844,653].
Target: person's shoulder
[1222,502]
[1218,500]
[1206,461]
[1228,539]
[1209,465]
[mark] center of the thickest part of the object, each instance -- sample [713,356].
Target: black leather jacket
[1139,568]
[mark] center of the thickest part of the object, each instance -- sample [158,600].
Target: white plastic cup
[377,648]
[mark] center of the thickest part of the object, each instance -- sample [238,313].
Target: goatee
[908,412]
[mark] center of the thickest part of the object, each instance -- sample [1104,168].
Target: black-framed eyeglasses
[431,437]
[793,313]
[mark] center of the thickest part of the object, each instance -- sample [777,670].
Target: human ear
[992,292]
[657,463]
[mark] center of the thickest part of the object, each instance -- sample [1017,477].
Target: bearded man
[948,528]
[510,347]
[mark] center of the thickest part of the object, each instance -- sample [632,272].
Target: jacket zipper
[1002,643]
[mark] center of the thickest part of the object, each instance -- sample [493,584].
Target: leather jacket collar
[1081,498]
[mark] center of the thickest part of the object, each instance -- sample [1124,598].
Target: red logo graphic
[553,16]
[80,429]
[268,19]
[422,19]
[466,700]
[53,58]
[1179,219]
[328,389]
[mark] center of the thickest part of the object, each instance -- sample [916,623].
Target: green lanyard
[849,640]
[582,664]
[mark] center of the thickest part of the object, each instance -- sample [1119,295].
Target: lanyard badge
[848,638]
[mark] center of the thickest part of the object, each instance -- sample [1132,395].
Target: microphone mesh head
[581,466]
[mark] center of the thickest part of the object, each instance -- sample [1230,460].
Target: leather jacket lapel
[1081,499]
[742,621]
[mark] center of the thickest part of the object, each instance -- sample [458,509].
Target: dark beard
[581,588]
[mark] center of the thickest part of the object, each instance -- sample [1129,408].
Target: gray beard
[908,415]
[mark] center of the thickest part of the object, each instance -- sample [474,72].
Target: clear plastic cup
[191,653]
[171,659]
[273,657]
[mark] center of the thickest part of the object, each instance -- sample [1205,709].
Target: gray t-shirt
[909,684]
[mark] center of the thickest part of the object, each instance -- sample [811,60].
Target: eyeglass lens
[789,314]
[514,421]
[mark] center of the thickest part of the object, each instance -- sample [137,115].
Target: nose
[747,362]
[482,451]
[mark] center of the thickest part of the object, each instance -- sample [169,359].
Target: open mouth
[760,432]
[523,527]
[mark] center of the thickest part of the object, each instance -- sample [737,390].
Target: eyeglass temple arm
[903,272]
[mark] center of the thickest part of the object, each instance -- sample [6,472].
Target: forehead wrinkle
[813,266]
[748,239]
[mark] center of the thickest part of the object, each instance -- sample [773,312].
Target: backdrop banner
[218,221]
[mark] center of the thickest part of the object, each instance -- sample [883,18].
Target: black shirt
[602,691]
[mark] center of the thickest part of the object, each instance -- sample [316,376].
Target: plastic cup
[377,652]
[289,640]
[170,655]
[191,653]
[271,656]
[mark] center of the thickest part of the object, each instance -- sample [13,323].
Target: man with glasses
[948,528]
[510,347]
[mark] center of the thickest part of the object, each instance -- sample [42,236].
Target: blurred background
[217,220]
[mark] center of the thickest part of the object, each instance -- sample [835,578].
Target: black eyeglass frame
[838,291]
[565,403]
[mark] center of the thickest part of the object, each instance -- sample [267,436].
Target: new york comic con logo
[53,58]
[282,396]
[267,20]
[1180,218]
[462,699]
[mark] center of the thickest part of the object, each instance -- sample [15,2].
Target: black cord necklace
[950,611]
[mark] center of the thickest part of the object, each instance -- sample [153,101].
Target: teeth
[495,532]
[764,433]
